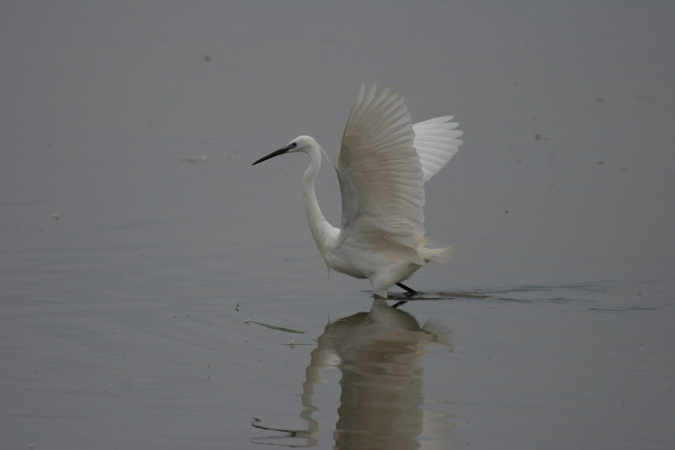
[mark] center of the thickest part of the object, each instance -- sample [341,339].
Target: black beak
[281,151]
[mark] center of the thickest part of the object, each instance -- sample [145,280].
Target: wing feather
[436,141]
[381,176]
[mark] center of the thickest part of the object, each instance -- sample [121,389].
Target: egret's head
[299,144]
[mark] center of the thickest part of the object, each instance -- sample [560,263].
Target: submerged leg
[410,291]
[399,303]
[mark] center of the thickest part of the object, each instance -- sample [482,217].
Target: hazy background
[136,239]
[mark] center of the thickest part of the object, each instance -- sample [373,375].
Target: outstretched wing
[436,141]
[381,176]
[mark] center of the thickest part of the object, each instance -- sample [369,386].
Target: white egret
[382,165]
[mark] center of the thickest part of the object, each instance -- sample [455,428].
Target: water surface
[158,291]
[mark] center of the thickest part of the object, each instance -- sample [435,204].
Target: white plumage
[382,165]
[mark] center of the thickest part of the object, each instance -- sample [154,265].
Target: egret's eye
[293,145]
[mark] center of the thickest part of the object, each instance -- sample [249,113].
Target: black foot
[410,292]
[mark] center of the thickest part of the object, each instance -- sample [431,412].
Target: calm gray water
[159,292]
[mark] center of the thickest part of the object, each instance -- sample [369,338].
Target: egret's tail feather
[441,254]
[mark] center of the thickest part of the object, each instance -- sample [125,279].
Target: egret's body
[382,165]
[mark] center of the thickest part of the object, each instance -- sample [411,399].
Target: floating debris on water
[194,159]
[273,327]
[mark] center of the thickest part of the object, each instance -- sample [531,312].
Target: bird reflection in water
[381,403]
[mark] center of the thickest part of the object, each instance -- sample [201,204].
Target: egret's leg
[410,291]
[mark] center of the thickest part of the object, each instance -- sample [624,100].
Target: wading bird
[382,165]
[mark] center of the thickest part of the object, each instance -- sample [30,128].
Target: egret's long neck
[321,230]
